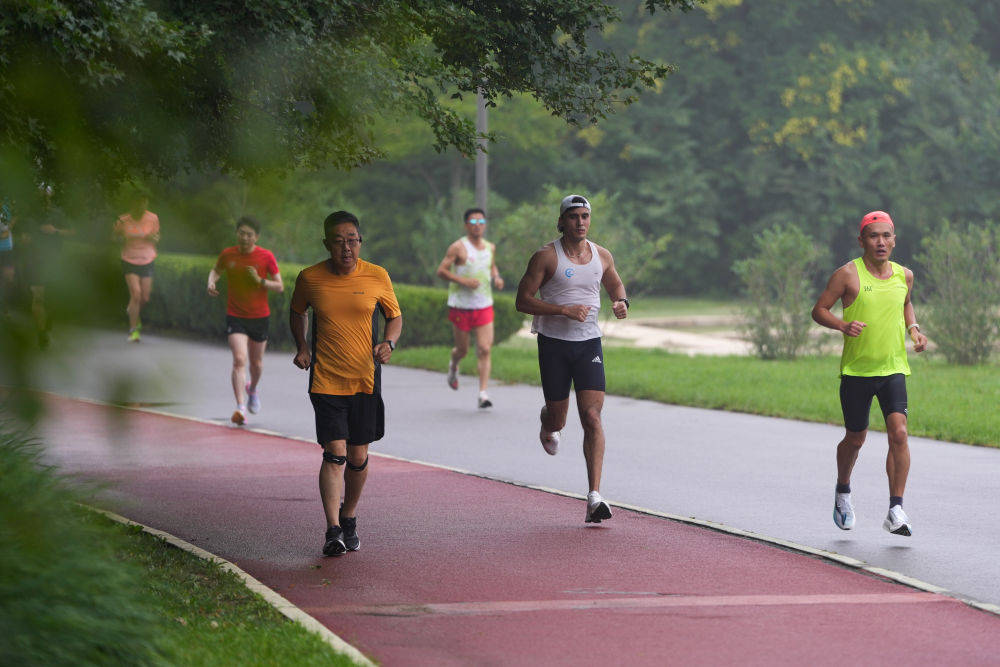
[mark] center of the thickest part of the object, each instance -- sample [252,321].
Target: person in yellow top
[347,296]
[878,313]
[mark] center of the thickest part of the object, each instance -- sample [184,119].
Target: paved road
[457,570]
[770,476]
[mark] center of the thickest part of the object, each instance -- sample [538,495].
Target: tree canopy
[117,87]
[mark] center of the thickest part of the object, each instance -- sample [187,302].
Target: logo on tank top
[868,288]
[570,272]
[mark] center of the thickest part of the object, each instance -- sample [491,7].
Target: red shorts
[468,319]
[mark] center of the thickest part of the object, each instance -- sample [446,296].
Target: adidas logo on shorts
[595,360]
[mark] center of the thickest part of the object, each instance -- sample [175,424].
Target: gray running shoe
[349,526]
[843,511]
[550,441]
[334,545]
[896,521]
[253,401]
[597,509]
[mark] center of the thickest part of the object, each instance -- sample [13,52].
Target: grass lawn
[209,617]
[945,402]
[678,306]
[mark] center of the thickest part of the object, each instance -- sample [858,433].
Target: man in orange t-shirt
[347,295]
[139,232]
[251,272]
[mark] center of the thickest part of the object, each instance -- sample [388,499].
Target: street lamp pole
[482,188]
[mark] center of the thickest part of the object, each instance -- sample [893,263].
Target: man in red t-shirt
[251,272]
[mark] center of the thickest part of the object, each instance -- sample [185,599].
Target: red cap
[875,216]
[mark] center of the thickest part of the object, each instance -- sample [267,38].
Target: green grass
[679,306]
[945,402]
[208,617]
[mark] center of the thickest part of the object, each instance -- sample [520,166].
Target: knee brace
[334,459]
[358,468]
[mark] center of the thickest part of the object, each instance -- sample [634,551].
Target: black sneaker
[334,545]
[350,530]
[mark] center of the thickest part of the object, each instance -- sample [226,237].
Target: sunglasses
[476,221]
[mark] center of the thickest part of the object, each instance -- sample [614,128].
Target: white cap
[573,201]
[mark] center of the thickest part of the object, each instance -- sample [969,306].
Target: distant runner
[7,222]
[40,252]
[138,230]
[470,266]
[567,274]
[251,272]
[878,314]
[344,359]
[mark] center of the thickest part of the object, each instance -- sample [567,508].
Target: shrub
[961,289]
[180,303]
[778,281]
[64,597]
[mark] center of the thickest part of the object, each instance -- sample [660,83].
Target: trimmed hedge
[180,303]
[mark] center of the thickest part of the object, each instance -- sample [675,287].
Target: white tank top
[571,284]
[477,265]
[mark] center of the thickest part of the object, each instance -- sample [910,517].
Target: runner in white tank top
[567,275]
[470,266]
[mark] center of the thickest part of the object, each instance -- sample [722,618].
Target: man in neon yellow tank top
[878,314]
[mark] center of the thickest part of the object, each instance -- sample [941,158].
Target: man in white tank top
[470,266]
[567,275]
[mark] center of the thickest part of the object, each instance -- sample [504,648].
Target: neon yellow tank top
[881,347]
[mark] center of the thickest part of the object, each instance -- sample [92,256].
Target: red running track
[457,570]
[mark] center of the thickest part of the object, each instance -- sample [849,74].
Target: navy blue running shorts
[856,395]
[359,419]
[565,362]
[255,328]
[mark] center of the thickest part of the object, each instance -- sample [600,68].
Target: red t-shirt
[245,297]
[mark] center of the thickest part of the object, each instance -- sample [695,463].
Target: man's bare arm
[836,287]
[298,322]
[910,317]
[444,268]
[613,284]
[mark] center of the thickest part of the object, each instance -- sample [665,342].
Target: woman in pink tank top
[139,232]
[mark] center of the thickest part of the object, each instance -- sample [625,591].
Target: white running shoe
[597,509]
[550,441]
[896,521]
[452,376]
[253,401]
[843,511]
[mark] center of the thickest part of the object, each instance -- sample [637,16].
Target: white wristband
[912,326]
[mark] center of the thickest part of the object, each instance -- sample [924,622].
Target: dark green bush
[180,303]
[64,597]
[778,283]
[959,290]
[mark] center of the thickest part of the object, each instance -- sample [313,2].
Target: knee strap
[358,468]
[334,459]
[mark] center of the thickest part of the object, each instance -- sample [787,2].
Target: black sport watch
[392,346]
[626,302]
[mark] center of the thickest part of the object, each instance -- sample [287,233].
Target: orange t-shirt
[137,249]
[345,324]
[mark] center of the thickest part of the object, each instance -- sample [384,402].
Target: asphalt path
[453,570]
[770,476]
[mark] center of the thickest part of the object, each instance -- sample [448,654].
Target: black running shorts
[358,419]
[856,395]
[254,327]
[561,362]
[141,270]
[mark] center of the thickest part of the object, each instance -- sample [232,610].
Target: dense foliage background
[806,114]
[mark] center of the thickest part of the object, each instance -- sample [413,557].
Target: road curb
[282,604]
